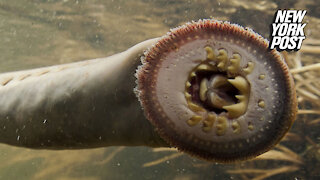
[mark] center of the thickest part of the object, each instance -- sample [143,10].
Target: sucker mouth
[214,90]
[217,86]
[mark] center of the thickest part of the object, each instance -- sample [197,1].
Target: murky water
[35,33]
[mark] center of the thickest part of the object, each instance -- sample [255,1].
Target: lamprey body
[210,88]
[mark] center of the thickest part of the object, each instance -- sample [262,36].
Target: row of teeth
[223,64]
[234,110]
[208,122]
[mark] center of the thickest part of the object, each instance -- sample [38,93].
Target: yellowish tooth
[195,107]
[250,126]
[240,108]
[262,76]
[236,127]
[223,55]
[211,117]
[235,63]
[222,58]
[192,74]
[188,96]
[249,69]
[208,123]
[240,83]
[261,104]
[231,69]
[240,97]
[236,110]
[205,67]
[188,84]
[203,89]
[221,65]
[221,125]
[210,53]
[194,120]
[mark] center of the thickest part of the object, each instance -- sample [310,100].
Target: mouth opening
[212,91]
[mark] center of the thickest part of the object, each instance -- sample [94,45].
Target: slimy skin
[79,105]
[210,88]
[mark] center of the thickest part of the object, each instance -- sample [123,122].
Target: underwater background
[36,33]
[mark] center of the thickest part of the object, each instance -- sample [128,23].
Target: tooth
[195,107]
[203,89]
[205,67]
[250,126]
[188,84]
[222,58]
[222,55]
[236,127]
[211,117]
[261,104]
[208,123]
[210,54]
[235,63]
[232,69]
[249,69]
[240,108]
[221,125]
[193,74]
[187,95]
[240,83]
[236,110]
[261,76]
[221,65]
[240,97]
[194,120]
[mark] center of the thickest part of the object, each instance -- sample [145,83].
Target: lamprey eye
[214,90]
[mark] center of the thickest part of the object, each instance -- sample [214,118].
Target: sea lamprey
[212,89]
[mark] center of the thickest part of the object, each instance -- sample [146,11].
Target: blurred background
[36,33]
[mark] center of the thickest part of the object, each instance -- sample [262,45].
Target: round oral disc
[214,90]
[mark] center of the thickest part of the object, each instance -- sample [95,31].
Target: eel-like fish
[210,88]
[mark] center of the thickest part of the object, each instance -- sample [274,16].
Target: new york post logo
[287,30]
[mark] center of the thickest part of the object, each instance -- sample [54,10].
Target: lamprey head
[214,90]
